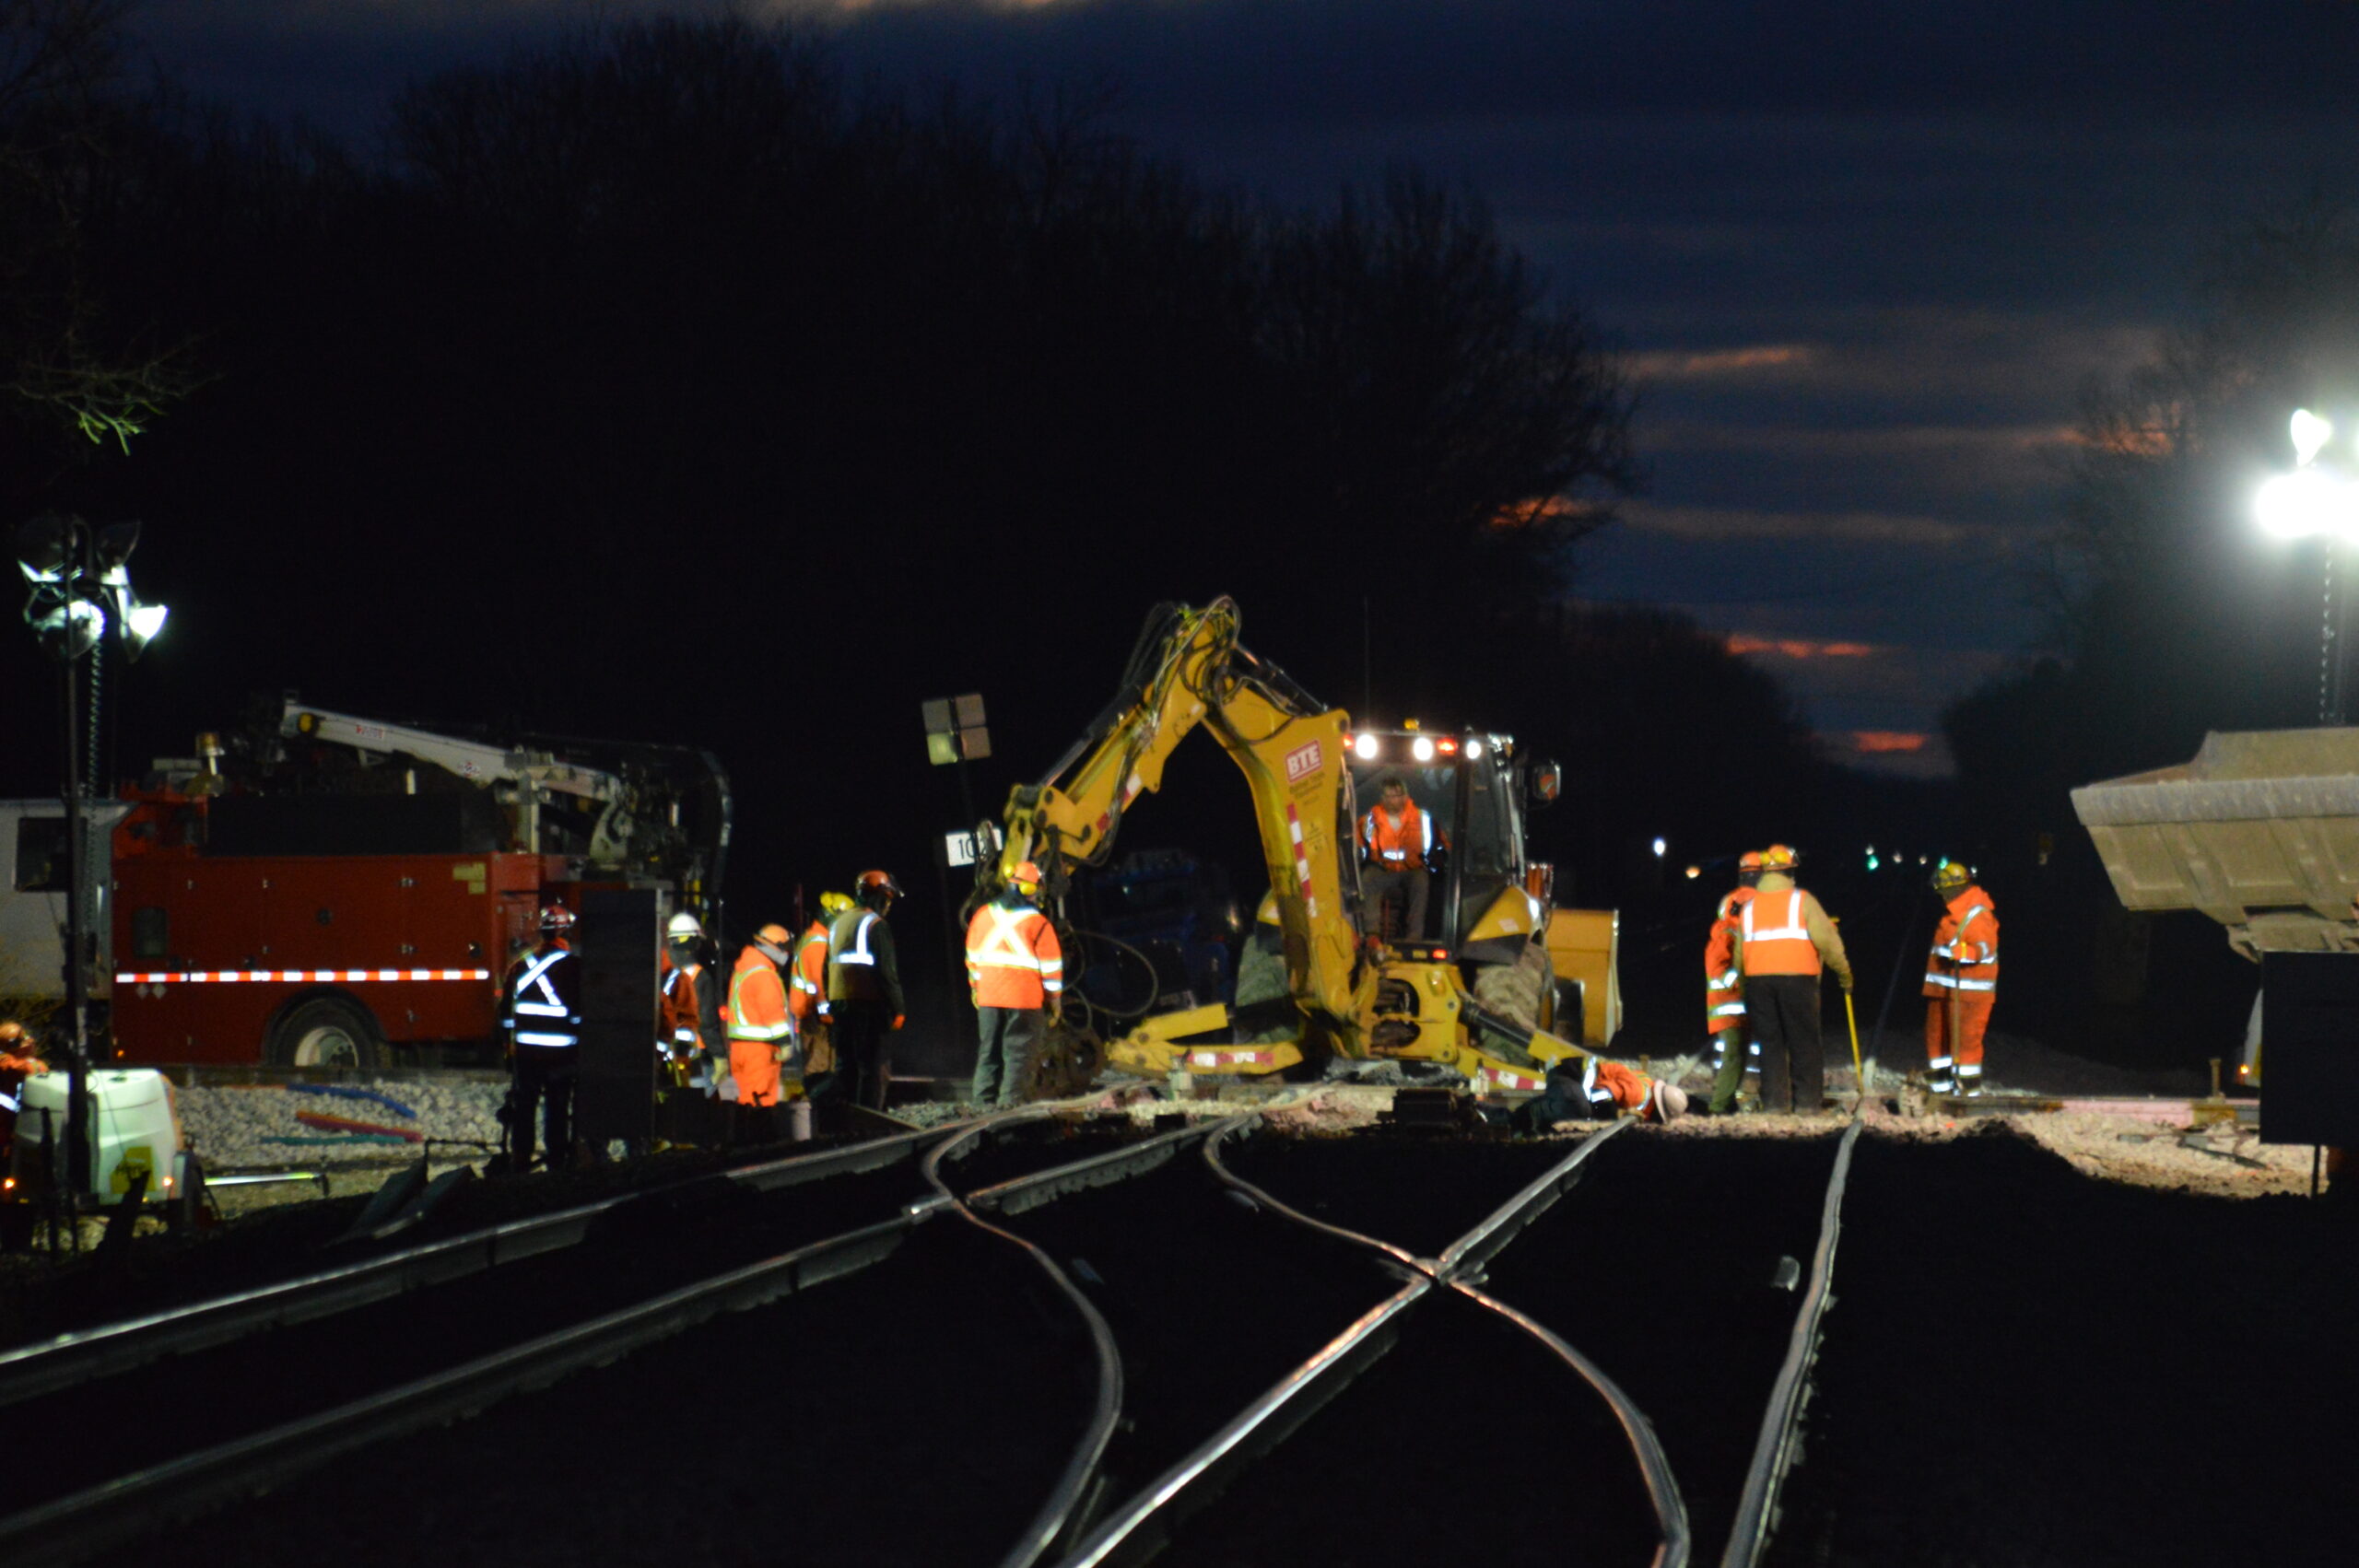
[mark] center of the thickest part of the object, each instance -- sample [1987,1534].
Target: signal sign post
[957,732]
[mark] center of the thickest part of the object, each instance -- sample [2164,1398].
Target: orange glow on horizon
[1875,741]
[1798,647]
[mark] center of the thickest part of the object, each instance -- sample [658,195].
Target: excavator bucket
[1584,947]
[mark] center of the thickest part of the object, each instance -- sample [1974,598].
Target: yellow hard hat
[1950,875]
[834,903]
[1779,858]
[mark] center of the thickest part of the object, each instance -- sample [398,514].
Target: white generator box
[135,1126]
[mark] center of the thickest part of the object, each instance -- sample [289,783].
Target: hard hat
[1779,858]
[1666,1102]
[1267,914]
[556,920]
[834,903]
[1949,876]
[876,888]
[684,927]
[1027,874]
[773,934]
[1749,861]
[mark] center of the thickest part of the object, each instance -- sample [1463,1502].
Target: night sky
[1860,259]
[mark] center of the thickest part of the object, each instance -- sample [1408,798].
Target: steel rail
[110,1349]
[1142,1526]
[1066,1499]
[1775,1451]
[85,1523]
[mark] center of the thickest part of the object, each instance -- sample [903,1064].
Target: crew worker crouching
[541,1011]
[1788,943]
[1016,973]
[761,1032]
[865,1001]
[1961,982]
[1593,1089]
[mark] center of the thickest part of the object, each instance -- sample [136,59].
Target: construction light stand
[78,575]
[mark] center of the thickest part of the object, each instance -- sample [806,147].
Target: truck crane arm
[1189,669]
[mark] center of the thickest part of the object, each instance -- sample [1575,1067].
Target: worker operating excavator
[1402,849]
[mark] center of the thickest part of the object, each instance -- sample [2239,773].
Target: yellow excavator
[1507,988]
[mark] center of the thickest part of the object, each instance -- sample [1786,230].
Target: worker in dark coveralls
[540,1007]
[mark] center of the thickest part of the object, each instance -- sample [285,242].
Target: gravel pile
[256,1127]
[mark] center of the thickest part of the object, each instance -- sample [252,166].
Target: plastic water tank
[134,1125]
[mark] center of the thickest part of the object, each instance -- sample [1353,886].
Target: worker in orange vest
[1402,846]
[1593,1089]
[1724,1014]
[1788,943]
[806,995]
[761,1032]
[1015,974]
[1961,981]
[690,1009]
[18,1061]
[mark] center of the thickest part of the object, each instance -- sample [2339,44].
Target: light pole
[2321,499]
[78,575]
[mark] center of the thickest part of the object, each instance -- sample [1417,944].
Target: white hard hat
[1667,1101]
[683,926]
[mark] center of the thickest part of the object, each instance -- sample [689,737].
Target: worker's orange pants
[752,1066]
[1972,1018]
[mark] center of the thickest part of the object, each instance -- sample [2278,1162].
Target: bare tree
[63,116]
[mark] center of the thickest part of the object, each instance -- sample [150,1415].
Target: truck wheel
[1513,990]
[326,1032]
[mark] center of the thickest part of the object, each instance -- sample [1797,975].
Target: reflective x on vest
[535,997]
[1003,946]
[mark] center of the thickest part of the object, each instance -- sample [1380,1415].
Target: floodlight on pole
[2311,432]
[2316,499]
[77,575]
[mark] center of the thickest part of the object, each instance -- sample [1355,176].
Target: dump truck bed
[2260,832]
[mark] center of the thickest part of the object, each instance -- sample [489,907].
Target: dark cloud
[1862,257]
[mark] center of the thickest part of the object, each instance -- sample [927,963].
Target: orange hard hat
[1779,858]
[773,934]
[1025,871]
[1749,861]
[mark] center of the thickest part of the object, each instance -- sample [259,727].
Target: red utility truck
[337,891]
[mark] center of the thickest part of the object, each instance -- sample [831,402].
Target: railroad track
[1548,1386]
[1141,1353]
[280,1378]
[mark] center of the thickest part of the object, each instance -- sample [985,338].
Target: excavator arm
[1189,670]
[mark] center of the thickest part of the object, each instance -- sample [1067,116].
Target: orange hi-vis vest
[758,999]
[1398,845]
[1012,957]
[1966,947]
[1776,937]
[807,987]
[680,1007]
[1724,981]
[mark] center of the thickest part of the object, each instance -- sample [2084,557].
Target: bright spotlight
[1422,749]
[2311,434]
[1659,847]
[2306,501]
[1473,750]
[1364,748]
